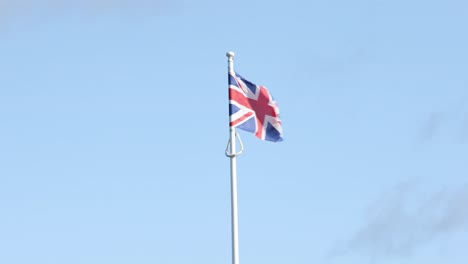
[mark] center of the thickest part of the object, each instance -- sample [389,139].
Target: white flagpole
[232,155]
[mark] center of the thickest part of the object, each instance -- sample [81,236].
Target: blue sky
[114,123]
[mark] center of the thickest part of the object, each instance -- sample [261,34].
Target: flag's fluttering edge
[252,108]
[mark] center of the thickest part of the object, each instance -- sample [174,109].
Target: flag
[252,108]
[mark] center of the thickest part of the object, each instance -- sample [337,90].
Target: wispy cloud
[404,220]
[432,125]
[455,117]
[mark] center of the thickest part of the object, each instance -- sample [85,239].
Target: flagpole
[232,156]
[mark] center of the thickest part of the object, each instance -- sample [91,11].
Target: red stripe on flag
[241,119]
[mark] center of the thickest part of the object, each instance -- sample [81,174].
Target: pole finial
[230,54]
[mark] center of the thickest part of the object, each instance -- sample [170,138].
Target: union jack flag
[252,108]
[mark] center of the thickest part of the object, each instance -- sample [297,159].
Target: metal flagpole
[231,153]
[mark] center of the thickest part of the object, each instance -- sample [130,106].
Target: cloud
[432,125]
[405,219]
[454,117]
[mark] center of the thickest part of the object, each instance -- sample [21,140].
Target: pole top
[230,54]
